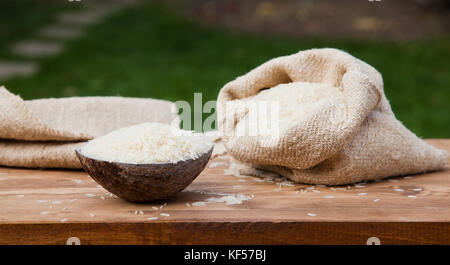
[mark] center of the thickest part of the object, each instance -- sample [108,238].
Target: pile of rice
[147,143]
[296,101]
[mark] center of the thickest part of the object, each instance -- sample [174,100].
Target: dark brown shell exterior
[145,182]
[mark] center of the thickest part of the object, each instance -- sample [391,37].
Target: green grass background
[148,51]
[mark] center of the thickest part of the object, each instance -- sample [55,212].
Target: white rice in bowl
[147,143]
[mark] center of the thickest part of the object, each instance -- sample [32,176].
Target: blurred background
[171,49]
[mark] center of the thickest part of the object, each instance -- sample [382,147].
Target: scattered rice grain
[231,199]
[217,164]
[258,180]
[393,180]
[287,183]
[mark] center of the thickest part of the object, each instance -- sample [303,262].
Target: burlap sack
[350,137]
[44,133]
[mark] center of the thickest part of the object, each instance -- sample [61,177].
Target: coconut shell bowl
[144,182]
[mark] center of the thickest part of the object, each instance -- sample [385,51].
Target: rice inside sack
[295,102]
[335,123]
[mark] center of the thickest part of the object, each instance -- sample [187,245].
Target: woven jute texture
[44,133]
[351,137]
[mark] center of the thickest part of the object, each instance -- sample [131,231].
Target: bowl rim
[78,152]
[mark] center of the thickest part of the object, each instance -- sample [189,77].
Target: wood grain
[50,206]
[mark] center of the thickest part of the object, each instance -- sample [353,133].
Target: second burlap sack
[44,133]
[336,125]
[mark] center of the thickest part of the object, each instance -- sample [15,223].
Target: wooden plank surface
[50,206]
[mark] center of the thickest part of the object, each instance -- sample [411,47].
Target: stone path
[63,32]
[36,48]
[86,17]
[49,39]
[11,68]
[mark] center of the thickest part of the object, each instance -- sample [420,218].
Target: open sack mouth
[274,111]
[334,122]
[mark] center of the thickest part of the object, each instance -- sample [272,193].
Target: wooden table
[57,207]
